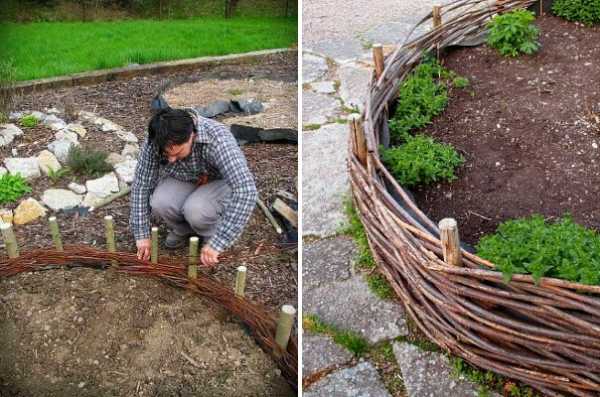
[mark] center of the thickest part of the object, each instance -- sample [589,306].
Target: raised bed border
[546,335]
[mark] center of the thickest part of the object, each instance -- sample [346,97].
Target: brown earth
[529,128]
[123,336]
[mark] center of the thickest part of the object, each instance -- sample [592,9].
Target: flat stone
[67,135]
[47,161]
[323,87]
[341,50]
[126,170]
[318,108]
[60,199]
[393,32]
[350,305]
[54,122]
[87,116]
[78,129]
[324,184]
[131,150]
[104,186]
[326,261]
[361,380]
[8,132]
[14,116]
[428,374]
[91,200]
[320,352]
[28,211]
[61,148]
[38,115]
[354,81]
[53,110]
[106,125]
[126,136]
[313,67]
[6,216]
[77,188]
[28,167]
[114,159]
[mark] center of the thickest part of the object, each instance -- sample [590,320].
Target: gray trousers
[187,208]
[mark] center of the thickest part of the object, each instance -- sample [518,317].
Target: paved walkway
[336,69]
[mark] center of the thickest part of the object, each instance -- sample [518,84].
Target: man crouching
[192,174]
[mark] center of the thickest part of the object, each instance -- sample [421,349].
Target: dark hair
[170,127]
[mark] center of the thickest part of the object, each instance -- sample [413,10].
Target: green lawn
[59,48]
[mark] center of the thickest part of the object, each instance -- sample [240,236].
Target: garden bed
[149,312]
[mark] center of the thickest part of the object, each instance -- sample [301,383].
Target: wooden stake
[284,326]
[110,236]
[358,133]
[193,260]
[437,16]
[240,281]
[55,232]
[286,211]
[154,252]
[541,7]
[450,242]
[10,241]
[270,216]
[378,59]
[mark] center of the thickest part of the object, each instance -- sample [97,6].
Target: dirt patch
[529,129]
[271,278]
[280,99]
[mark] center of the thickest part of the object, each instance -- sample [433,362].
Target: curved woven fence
[545,335]
[260,320]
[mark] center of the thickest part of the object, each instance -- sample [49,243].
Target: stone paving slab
[393,32]
[428,374]
[313,67]
[350,305]
[318,108]
[361,380]
[354,79]
[324,179]
[340,50]
[326,261]
[320,352]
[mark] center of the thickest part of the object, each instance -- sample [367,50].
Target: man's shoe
[175,241]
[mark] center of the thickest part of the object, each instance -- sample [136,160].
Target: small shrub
[12,188]
[585,11]
[29,121]
[56,175]
[88,162]
[513,33]
[562,249]
[421,161]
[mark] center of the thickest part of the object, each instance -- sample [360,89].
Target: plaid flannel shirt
[215,153]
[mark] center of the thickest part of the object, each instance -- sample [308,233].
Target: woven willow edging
[261,321]
[546,335]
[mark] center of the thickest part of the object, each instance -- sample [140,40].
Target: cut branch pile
[545,335]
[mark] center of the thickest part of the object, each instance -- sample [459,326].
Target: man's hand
[144,247]
[209,257]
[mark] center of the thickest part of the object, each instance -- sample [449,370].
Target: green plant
[349,339]
[356,229]
[380,286]
[460,82]
[513,33]
[56,175]
[533,246]
[421,160]
[29,121]
[12,188]
[585,11]
[87,162]
[311,127]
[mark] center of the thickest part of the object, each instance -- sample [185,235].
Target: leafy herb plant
[12,188]
[562,249]
[585,11]
[88,162]
[421,161]
[29,121]
[513,33]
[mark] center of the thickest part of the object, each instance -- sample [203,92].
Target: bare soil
[529,128]
[122,336]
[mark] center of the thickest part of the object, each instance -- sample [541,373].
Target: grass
[379,285]
[311,127]
[49,49]
[350,340]
[356,230]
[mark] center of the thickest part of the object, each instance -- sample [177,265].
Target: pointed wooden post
[55,232]
[450,242]
[437,16]
[10,241]
[240,281]
[154,251]
[193,259]
[284,326]
[110,236]
[378,59]
[360,142]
